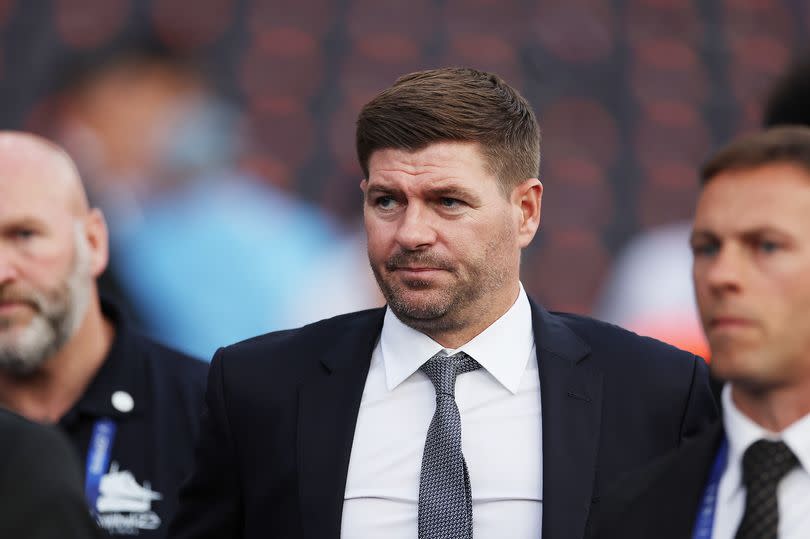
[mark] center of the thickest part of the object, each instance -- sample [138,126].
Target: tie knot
[766,462]
[442,371]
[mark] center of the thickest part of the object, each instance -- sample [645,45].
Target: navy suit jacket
[281,410]
[660,499]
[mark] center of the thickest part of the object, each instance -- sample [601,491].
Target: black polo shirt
[154,397]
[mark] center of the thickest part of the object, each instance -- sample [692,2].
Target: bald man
[130,406]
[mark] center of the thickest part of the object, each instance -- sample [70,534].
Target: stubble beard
[58,314]
[453,307]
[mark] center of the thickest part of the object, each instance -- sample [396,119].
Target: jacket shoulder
[624,358]
[270,366]
[308,338]
[622,343]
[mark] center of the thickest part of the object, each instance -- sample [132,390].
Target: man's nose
[8,271]
[726,268]
[416,229]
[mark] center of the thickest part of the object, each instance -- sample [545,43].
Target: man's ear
[527,199]
[97,236]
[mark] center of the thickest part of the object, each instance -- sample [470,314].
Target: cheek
[492,244]
[792,314]
[703,297]
[41,267]
[46,269]
[378,240]
[785,291]
[781,300]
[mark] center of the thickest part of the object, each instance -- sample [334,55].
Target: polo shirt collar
[121,371]
[503,349]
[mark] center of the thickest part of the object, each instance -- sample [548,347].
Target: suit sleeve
[44,489]
[210,503]
[701,406]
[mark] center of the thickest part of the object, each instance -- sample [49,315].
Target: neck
[455,336]
[48,394]
[772,409]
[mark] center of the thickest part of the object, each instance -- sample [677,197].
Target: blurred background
[218,136]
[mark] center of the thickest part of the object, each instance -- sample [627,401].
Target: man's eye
[447,202]
[705,249]
[768,246]
[24,233]
[384,202]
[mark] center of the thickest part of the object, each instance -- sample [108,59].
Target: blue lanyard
[98,459]
[705,517]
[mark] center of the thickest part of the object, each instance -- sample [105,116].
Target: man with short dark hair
[462,408]
[747,477]
[129,405]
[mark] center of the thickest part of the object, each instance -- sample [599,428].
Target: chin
[739,368]
[418,308]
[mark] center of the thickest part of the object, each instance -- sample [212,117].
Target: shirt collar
[120,372]
[503,349]
[741,432]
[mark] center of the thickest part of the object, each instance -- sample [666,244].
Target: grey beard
[60,314]
[39,341]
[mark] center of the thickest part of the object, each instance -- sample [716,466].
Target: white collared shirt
[501,432]
[793,492]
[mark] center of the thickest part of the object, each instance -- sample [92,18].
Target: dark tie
[764,464]
[445,500]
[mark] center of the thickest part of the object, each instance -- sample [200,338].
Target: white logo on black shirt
[124,507]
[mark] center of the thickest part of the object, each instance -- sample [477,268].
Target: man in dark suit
[462,407]
[40,484]
[747,477]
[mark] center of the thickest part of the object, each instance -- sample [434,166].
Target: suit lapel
[328,408]
[571,400]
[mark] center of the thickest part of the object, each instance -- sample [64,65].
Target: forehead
[33,188]
[776,195]
[440,160]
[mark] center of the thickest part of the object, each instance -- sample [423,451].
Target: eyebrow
[377,188]
[699,234]
[449,191]
[24,221]
[452,191]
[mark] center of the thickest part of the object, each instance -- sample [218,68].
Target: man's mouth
[418,272]
[15,302]
[8,307]
[417,269]
[729,322]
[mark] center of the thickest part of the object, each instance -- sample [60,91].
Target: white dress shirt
[793,492]
[501,432]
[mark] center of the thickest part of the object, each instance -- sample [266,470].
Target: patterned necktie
[764,464]
[445,500]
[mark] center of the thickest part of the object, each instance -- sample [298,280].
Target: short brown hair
[454,104]
[786,144]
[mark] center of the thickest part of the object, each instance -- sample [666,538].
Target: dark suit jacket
[281,411]
[661,499]
[40,484]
